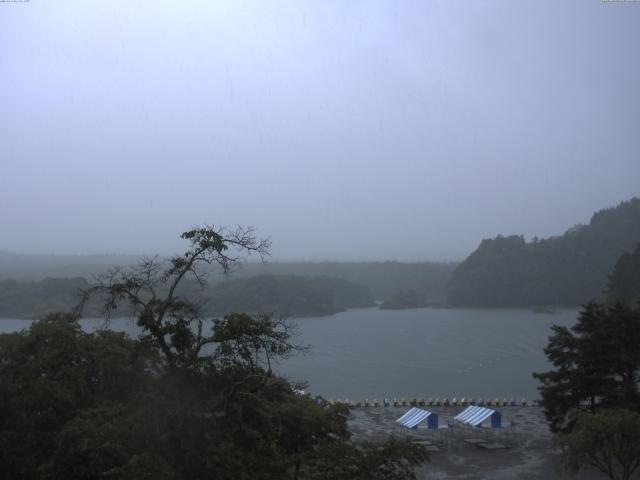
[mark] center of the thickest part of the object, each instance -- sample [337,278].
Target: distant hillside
[566,270]
[288,295]
[383,279]
[279,294]
[37,299]
[16,266]
[404,300]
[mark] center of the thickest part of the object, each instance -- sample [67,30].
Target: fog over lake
[343,130]
[421,352]
[365,200]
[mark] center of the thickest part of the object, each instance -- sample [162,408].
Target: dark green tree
[391,460]
[596,364]
[51,373]
[608,441]
[624,281]
[190,399]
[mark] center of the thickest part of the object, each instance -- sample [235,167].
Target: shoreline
[524,451]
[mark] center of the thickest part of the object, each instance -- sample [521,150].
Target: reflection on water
[423,352]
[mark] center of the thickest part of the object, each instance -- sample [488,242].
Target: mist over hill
[33,285]
[506,271]
[564,270]
[25,267]
[383,279]
[286,295]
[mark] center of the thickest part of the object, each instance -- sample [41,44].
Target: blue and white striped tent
[415,416]
[475,415]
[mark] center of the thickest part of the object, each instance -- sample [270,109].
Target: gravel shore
[522,451]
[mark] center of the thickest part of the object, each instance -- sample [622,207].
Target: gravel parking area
[522,451]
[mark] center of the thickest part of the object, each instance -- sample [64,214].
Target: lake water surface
[412,353]
[425,352]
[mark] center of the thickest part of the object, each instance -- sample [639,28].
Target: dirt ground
[522,451]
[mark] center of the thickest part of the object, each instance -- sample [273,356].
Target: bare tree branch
[150,289]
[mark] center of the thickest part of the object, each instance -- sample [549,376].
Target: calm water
[423,352]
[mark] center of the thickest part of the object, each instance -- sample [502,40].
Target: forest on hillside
[624,281]
[286,295]
[383,279]
[508,271]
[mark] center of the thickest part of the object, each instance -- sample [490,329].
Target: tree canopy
[596,364]
[564,270]
[608,441]
[189,399]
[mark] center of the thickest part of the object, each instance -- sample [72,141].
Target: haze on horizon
[342,130]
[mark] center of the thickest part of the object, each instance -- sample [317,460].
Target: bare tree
[173,322]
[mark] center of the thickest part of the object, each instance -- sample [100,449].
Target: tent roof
[474,415]
[413,417]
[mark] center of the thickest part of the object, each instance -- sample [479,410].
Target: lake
[412,353]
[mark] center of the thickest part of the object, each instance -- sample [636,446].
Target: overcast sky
[344,130]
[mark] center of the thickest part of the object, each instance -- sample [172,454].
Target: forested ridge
[289,295]
[286,295]
[566,270]
[383,279]
[31,300]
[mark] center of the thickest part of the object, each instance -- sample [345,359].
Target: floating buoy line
[437,402]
